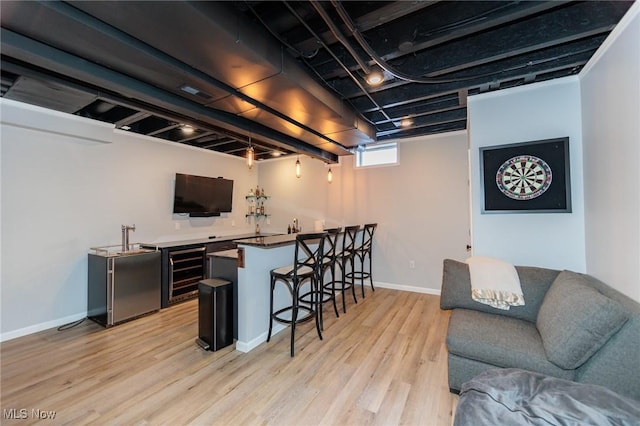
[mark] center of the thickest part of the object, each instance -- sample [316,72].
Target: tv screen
[202,196]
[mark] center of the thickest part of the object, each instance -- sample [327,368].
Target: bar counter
[258,256]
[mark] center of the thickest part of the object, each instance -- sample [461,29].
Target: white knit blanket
[494,282]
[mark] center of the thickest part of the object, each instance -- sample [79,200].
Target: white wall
[303,198]
[528,113]
[63,194]
[68,183]
[421,205]
[610,87]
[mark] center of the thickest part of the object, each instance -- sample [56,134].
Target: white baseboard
[41,327]
[407,288]
[252,344]
[240,346]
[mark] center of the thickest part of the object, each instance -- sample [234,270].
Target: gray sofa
[572,326]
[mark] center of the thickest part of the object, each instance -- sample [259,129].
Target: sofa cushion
[499,341]
[456,290]
[575,320]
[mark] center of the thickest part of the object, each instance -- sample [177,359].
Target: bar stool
[345,257]
[307,266]
[328,289]
[362,251]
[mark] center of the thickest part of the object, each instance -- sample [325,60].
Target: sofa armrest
[456,290]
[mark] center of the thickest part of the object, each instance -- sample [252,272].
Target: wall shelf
[255,204]
[258,198]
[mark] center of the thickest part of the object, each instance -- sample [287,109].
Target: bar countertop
[268,241]
[225,254]
[197,241]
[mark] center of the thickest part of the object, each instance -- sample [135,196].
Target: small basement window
[377,155]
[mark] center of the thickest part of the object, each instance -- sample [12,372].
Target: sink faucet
[125,236]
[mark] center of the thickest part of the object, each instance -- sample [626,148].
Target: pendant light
[250,155]
[329,175]
[298,171]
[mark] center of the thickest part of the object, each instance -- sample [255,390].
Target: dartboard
[524,177]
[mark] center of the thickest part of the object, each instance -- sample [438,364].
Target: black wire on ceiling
[319,40]
[390,69]
[342,65]
[341,38]
[472,20]
[365,45]
[284,42]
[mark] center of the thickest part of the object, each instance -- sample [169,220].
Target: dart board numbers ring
[524,177]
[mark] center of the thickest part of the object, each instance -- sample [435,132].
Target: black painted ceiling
[289,76]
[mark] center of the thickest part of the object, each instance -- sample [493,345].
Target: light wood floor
[383,362]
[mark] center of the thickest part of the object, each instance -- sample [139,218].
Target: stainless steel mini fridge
[123,286]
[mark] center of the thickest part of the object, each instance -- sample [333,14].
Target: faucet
[125,236]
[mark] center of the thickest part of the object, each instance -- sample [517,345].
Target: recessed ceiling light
[374,78]
[406,122]
[405,46]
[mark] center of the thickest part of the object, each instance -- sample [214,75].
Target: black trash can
[215,314]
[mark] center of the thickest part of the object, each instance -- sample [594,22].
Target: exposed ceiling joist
[289,76]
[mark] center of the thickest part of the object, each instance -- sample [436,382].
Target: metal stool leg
[271,308]
[371,272]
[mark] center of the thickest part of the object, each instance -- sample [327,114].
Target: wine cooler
[186,268]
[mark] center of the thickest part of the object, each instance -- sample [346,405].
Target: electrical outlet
[412,264]
[233,222]
[177,225]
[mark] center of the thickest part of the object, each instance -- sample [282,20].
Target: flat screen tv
[201,196]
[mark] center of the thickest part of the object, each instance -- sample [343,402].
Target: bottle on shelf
[256,202]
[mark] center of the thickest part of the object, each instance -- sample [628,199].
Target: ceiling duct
[225,63]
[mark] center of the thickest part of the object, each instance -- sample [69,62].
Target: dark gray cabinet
[183,265]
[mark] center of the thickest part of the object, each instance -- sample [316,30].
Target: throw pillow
[575,320]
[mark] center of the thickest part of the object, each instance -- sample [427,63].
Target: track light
[186,129]
[298,171]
